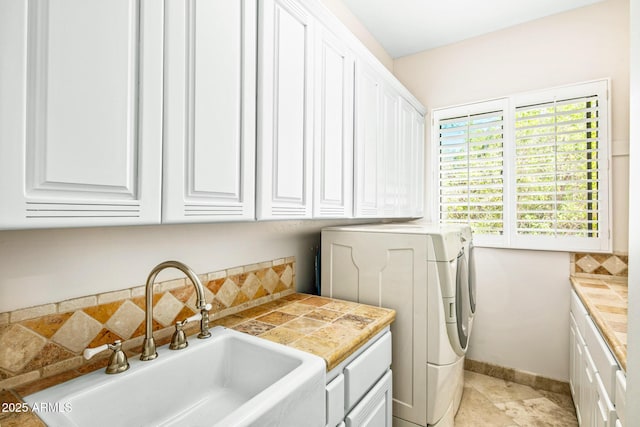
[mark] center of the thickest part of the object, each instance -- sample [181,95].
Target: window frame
[510,238]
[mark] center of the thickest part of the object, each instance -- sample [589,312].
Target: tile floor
[489,401]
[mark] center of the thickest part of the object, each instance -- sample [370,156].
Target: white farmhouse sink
[230,379]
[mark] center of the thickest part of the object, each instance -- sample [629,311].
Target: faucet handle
[117,362]
[88,353]
[179,339]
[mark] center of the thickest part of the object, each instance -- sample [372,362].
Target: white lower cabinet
[358,390]
[597,384]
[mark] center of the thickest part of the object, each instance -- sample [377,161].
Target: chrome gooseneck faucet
[149,345]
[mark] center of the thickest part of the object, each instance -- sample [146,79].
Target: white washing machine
[425,272]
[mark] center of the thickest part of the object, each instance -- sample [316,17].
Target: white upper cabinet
[388,152]
[368,143]
[285,110]
[410,159]
[209,120]
[333,136]
[80,112]
[122,112]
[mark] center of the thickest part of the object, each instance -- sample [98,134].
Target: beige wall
[580,45]
[340,10]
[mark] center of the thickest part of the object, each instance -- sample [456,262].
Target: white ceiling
[404,27]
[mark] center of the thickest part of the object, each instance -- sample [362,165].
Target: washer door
[463,302]
[472,281]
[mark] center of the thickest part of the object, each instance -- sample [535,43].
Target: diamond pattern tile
[287,276]
[269,280]
[587,264]
[228,292]
[125,320]
[250,285]
[614,265]
[166,309]
[77,332]
[18,345]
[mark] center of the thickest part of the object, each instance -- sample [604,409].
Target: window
[529,170]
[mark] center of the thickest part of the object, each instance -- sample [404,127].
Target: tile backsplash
[38,342]
[598,265]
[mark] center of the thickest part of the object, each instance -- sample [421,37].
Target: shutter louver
[471,171]
[557,168]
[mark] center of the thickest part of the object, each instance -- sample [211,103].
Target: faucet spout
[149,345]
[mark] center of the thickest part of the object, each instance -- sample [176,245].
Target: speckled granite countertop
[606,300]
[326,327]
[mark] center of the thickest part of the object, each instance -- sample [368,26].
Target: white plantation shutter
[528,171]
[561,166]
[470,171]
[557,168]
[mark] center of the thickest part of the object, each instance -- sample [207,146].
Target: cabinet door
[604,411]
[209,122]
[576,348]
[390,153]
[285,150]
[588,393]
[368,143]
[407,165]
[333,142]
[374,410]
[80,112]
[419,160]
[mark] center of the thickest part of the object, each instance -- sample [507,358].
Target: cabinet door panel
[210,110]
[576,348]
[391,151]
[84,146]
[368,144]
[407,167]
[333,138]
[71,146]
[285,108]
[374,410]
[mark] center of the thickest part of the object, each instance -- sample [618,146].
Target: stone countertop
[326,327]
[606,301]
[329,328]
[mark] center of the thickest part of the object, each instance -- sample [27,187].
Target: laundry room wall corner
[522,323]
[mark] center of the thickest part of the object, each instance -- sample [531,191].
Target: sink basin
[230,379]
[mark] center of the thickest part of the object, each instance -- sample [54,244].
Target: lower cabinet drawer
[375,408]
[606,364]
[605,412]
[361,374]
[335,401]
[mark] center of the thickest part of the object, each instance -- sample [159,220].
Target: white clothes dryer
[425,272]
